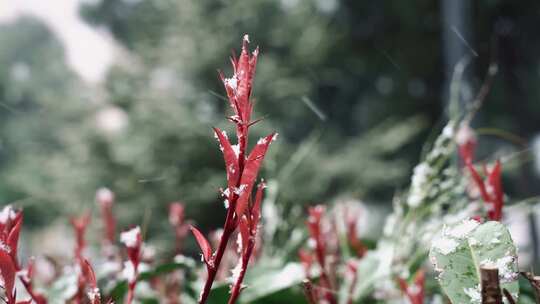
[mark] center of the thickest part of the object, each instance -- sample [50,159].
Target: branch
[508,296]
[491,291]
[535,283]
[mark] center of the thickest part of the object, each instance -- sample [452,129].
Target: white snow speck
[131,237]
[129,271]
[236,149]
[474,294]
[462,230]
[7,214]
[445,245]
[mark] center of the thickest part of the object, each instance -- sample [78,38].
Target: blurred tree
[43,112]
[311,79]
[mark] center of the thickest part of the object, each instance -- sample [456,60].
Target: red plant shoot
[10,227]
[105,200]
[242,168]
[177,221]
[490,188]
[79,226]
[317,237]
[132,239]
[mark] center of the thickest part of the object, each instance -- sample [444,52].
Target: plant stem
[230,224]
[213,268]
[245,261]
[491,290]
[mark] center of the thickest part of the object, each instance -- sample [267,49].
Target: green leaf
[460,251]
[165,268]
[271,281]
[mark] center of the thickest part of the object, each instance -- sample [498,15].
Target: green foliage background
[373,68]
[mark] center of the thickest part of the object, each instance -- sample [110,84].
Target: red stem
[230,223]
[28,286]
[131,292]
[216,260]
[245,261]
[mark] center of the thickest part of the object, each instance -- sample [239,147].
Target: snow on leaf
[206,249]
[230,156]
[13,237]
[7,271]
[132,237]
[251,170]
[472,247]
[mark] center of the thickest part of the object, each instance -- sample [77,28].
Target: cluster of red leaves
[10,268]
[87,287]
[489,186]
[243,211]
[325,254]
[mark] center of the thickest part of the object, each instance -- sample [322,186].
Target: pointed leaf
[231,159]
[243,229]
[89,274]
[251,169]
[460,251]
[13,237]
[7,271]
[256,209]
[206,249]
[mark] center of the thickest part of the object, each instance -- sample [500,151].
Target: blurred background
[123,94]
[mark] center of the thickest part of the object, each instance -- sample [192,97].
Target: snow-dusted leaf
[206,249]
[231,159]
[89,274]
[256,209]
[13,237]
[7,271]
[460,251]
[251,169]
[243,233]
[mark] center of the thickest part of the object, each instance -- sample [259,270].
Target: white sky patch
[89,51]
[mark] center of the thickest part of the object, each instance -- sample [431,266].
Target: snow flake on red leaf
[251,170]
[7,271]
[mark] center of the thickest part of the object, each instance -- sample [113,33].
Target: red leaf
[256,209]
[479,182]
[231,159]
[206,249]
[251,169]
[13,237]
[89,274]
[7,271]
[494,180]
[244,232]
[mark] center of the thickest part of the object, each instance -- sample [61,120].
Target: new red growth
[242,170]
[490,187]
